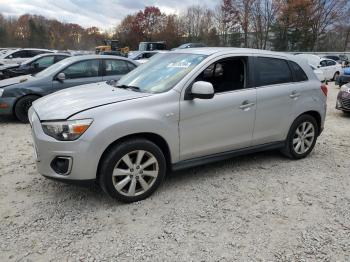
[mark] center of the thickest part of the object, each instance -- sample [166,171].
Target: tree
[227,23]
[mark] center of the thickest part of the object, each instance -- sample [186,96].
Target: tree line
[282,25]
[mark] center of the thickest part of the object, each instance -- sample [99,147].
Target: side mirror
[318,66]
[202,90]
[36,65]
[10,57]
[61,77]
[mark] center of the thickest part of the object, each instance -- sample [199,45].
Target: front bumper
[343,101]
[84,161]
[7,105]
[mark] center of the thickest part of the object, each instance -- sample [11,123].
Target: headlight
[66,130]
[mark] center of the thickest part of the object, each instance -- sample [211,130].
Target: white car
[318,73]
[16,56]
[330,68]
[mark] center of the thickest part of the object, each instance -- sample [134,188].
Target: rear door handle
[294,94]
[246,104]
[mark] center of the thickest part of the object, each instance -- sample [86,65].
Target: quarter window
[115,67]
[272,71]
[299,74]
[88,68]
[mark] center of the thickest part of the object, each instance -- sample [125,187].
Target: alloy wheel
[303,138]
[135,173]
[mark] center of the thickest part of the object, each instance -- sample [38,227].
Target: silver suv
[181,109]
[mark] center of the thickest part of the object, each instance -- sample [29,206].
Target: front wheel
[132,170]
[301,138]
[22,106]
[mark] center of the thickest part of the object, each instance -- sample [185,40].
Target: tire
[297,136]
[22,106]
[132,180]
[335,76]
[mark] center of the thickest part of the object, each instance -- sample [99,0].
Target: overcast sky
[104,14]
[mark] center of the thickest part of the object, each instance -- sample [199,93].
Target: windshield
[162,72]
[52,69]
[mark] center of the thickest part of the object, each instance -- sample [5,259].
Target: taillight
[324,89]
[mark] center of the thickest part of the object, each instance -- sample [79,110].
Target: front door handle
[294,94]
[246,104]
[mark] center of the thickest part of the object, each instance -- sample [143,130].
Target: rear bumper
[7,105]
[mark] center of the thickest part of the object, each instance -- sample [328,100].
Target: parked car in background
[151,46]
[17,56]
[318,73]
[330,68]
[181,109]
[116,53]
[31,66]
[344,78]
[18,93]
[143,56]
[343,99]
[336,58]
[190,45]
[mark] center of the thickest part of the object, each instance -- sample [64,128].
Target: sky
[105,14]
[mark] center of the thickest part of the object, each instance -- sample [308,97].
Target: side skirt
[225,155]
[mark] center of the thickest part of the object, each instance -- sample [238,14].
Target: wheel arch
[20,97]
[153,137]
[315,115]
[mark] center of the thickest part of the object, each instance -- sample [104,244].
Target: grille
[345,102]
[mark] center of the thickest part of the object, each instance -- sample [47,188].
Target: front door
[224,122]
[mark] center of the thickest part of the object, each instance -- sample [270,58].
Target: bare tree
[226,20]
[244,8]
[264,14]
[324,15]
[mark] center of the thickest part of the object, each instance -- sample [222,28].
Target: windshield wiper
[134,88]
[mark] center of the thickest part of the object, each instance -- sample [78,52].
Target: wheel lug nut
[131,170]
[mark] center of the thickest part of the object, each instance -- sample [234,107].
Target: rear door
[275,99]
[79,73]
[114,69]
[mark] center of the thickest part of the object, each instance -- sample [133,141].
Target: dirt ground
[260,207]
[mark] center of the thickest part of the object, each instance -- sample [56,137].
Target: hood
[8,66]
[15,80]
[63,104]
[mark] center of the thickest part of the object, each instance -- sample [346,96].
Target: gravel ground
[260,207]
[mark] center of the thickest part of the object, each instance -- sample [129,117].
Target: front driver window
[45,61]
[88,68]
[225,75]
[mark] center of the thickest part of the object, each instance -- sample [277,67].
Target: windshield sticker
[181,64]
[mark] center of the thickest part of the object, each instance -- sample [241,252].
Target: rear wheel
[301,138]
[22,106]
[132,170]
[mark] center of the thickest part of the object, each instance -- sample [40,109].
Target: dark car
[18,93]
[343,99]
[33,65]
[344,78]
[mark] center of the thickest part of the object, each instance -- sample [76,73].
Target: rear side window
[272,71]
[115,67]
[299,74]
